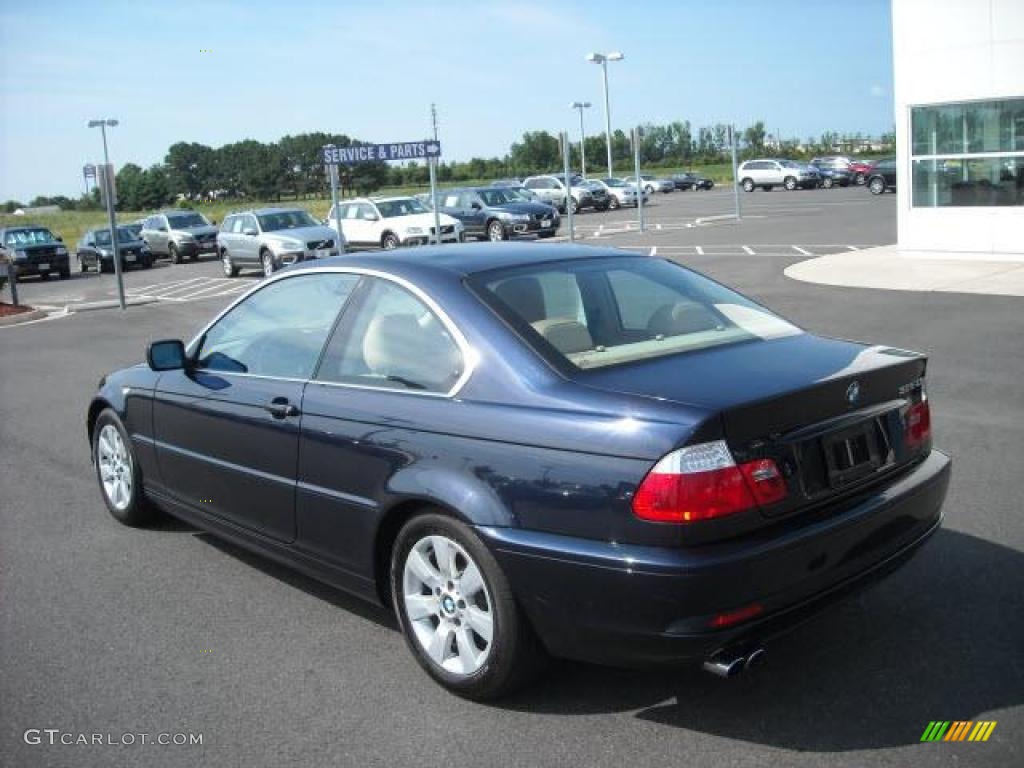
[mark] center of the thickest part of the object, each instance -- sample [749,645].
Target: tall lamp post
[603,59]
[581,105]
[108,192]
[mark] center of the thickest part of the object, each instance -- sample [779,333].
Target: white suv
[777,173]
[390,222]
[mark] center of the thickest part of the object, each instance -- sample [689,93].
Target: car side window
[392,341]
[278,331]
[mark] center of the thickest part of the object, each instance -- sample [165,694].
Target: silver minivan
[769,173]
[271,238]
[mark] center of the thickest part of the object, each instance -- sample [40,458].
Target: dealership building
[959,97]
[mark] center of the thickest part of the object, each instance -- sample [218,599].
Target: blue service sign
[368,153]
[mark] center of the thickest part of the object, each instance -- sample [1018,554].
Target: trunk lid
[830,413]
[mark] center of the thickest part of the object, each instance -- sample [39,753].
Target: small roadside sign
[368,153]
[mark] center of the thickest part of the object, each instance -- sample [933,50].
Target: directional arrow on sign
[433,149]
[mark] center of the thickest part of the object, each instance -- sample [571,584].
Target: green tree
[191,168]
[754,137]
[537,151]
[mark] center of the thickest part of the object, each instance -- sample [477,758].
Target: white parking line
[853,247]
[700,251]
[798,249]
[748,250]
[654,251]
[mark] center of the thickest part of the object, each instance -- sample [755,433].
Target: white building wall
[949,51]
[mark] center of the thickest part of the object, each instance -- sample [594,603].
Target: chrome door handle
[280,408]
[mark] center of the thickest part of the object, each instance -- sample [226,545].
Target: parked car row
[826,172]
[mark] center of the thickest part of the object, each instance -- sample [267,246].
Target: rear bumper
[629,605]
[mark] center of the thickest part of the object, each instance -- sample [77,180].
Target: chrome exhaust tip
[755,659]
[725,665]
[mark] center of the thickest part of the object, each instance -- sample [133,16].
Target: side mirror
[476,206]
[213,222]
[166,355]
[371,217]
[250,231]
[60,239]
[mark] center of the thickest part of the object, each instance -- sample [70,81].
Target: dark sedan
[833,173]
[692,180]
[530,450]
[498,213]
[96,251]
[35,251]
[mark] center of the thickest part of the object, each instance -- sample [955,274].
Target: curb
[87,306]
[23,317]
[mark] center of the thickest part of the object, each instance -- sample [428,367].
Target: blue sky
[371,69]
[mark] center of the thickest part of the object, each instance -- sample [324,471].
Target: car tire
[649,189]
[457,611]
[614,204]
[173,254]
[390,241]
[859,179]
[748,185]
[574,205]
[267,262]
[118,472]
[230,270]
[827,183]
[789,183]
[876,185]
[496,231]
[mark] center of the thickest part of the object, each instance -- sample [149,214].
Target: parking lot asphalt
[112,630]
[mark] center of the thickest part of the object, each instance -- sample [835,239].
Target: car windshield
[124,235]
[135,229]
[404,207]
[521,194]
[614,182]
[790,164]
[599,312]
[37,236]
[186,220]
[590,184]
[273,222]
[499,196]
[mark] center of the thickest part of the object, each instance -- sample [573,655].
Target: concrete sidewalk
[889,268]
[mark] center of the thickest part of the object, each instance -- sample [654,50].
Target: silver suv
[271,238]
[770,173]
[554,191]
[177,234]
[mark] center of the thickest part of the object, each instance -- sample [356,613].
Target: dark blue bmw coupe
[531,450]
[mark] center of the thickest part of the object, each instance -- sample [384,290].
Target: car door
[248,233]
[157,235]
[391,365]
[474,214]
[454,204]
[226,429]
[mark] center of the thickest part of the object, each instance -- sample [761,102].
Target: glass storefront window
[990,181]
[951,137]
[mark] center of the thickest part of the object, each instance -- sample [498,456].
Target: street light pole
[581,105]
[108,191]
[603,59]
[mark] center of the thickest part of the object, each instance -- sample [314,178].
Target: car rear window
[592,313]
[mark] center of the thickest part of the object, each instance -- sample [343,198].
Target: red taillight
[918,424]
[701,482]
[735,617]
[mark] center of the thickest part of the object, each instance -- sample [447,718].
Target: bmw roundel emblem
[853,393]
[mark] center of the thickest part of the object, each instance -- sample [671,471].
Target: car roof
[266,211]
[465,258]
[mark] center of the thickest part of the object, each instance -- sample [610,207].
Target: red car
[860,170]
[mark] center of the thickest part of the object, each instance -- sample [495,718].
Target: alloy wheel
[115,466]
[268,264]
[495,231]
[448,605]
